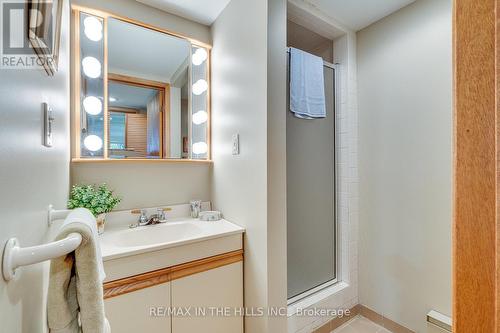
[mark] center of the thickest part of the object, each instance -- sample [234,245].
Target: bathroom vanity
[182,276]
[141,94]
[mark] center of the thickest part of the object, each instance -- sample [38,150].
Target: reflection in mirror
[135,115]
[148,84]
[143,93]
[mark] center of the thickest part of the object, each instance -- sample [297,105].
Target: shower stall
[311,198]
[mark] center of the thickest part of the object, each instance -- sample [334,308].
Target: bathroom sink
[121,241]
[156,234]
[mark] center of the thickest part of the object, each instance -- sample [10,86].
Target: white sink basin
[156,234]
[122,241]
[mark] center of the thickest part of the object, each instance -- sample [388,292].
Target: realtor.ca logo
[27,34]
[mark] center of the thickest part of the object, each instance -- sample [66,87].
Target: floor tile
[360,325]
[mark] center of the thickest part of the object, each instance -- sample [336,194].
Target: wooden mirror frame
[164,98]
[76,84]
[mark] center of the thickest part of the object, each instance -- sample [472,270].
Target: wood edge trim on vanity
[149,279]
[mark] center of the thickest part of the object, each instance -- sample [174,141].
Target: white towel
[307,86]
[84,216]
[75,301]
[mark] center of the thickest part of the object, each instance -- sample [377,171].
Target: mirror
[146,99]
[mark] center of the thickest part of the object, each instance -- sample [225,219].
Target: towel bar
[56,214]
[15,256]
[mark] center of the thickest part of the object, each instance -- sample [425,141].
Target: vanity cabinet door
[143,310]
[216,288]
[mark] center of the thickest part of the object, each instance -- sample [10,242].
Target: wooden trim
[76,89]
[497,181]
[149,279]
[474,226]
[205,264]
[369,314]
[126,130]
[123,110]
[134,283]
[106,90]
[209,105]
[136,160]
[165,148]
[161,123]
[137,81]
[382,320]
[164,103]
[336,322]
[102,13]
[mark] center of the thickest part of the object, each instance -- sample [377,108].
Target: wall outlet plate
[236,144]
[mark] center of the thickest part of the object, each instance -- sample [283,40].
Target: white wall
[249,98]
[276,162]
[31,177]
[157,184]
[240,105]
[405,104]
[148,184]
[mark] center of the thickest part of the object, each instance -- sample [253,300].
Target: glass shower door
[311,231]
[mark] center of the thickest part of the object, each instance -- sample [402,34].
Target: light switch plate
[236,144]
[47,125]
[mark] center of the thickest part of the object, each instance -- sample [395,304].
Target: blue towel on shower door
[307,86]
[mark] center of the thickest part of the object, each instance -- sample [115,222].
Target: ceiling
[201,11]
[358,14]
[354,14]
[144,53]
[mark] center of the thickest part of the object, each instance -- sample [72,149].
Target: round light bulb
[199,87]
[200,117]
[91,67]
[92,142]
[200,148]
[199,56]
[93,28]
[92,105]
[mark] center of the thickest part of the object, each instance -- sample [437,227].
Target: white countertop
[119,241]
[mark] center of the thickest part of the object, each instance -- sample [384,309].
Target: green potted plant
[98,199]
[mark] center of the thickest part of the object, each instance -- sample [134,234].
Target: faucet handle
[160,212]
[143,218]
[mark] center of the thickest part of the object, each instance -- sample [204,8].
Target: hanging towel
[75,299]
[307,86]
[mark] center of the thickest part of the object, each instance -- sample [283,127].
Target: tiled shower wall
[344,295]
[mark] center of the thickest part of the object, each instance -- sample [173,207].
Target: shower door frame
[336,83]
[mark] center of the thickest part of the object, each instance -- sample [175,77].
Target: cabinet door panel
[216,288]
[143,310]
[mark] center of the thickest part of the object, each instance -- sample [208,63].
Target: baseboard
[367,313]
[339,321]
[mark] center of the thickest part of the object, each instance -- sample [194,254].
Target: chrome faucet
[143,219]
[159,217]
